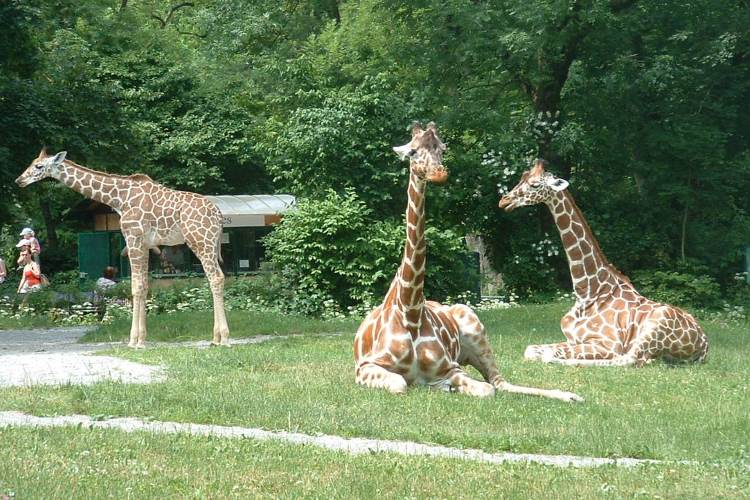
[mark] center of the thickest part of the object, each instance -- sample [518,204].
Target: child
[36,248]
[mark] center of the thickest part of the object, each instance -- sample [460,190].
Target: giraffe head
[536,186]
[425,153]
[42,167]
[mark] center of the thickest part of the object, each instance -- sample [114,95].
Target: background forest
[642,105]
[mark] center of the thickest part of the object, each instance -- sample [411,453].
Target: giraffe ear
[557,184]
[416,128]
[404,151]
[59,157]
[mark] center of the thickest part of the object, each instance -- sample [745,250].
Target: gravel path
[355,446]
[53,356]
[48,340]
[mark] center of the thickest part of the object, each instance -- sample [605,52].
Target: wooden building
[247,218]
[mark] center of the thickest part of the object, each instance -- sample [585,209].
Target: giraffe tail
[218,247]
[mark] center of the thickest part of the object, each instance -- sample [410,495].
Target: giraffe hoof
[398,386]
[548,357]
[532,353]
[569,397]
[484,391]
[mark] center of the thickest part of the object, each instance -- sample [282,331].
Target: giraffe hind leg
[208,256]
[475,347]
[476,351]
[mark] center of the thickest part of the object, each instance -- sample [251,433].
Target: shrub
[679,288]
[332,258]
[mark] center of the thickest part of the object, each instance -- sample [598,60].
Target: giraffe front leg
[377,377]
[460,381]
[591,354]
[138,256]
[543,352]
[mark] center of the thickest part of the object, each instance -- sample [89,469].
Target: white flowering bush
[506,301]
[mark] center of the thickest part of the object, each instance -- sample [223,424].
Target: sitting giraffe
[611,324]
[150,215]
[406,340]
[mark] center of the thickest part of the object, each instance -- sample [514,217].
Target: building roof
[237,210]
[256,204]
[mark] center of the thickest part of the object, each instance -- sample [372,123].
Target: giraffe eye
[39,165]
[535,184]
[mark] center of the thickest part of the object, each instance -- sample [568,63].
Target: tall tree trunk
[683,235]
[49,223]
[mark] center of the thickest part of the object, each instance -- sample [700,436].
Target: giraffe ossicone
[610,324]
[407,340]
[150,215]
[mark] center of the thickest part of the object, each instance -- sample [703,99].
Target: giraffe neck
[104,188]
[589,269]
[407,289]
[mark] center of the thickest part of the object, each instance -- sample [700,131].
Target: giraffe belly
[154,238]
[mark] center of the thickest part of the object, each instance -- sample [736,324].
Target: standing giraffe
[150,215]
[611,324]
[407,340]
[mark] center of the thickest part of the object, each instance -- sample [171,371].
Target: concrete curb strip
[354,446]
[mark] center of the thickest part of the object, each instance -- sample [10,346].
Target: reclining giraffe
[407,340]
[150,215]
[611,324]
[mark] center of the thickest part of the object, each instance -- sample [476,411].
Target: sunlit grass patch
[198,325]
[307,384]
[83,463]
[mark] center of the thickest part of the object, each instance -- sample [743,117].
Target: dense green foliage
[641,105]
[333,255]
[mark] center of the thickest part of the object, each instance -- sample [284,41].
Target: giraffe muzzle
[507,203]
[438,176]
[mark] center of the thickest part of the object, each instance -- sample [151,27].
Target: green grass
[306,384]
[24,323]
[83,463]
[199,326]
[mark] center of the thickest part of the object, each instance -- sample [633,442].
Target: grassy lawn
[199,326]
[305,384]
[81,463]
[24,323]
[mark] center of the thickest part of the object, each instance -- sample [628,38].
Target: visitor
[23,246]
[107,279]
[31,277]
[28,235]
[3,270]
